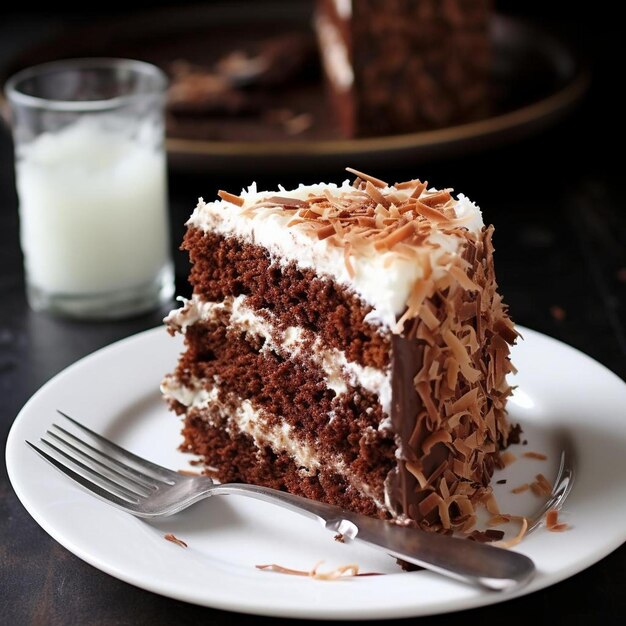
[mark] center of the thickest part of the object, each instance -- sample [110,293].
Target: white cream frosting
[293,341]
[247,419]
[381,279]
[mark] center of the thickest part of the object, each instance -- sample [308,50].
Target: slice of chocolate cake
[348,344]
[406,65]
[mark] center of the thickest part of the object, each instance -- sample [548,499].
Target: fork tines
[103,467]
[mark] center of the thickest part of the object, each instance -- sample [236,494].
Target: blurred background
[549,185]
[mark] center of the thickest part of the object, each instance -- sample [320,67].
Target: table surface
[557,203]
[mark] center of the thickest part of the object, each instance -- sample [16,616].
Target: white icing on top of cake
[382,278]
[293,341]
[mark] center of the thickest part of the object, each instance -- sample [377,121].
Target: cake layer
[382,276]
[236,458]
[225,267]
[219,409]
[229,366]
[293,341]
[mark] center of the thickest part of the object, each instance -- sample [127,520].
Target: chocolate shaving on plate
[174,539]
[341,572]
[552,522]
[535,455]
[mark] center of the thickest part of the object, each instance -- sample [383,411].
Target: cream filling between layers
[292,342]
[252,422]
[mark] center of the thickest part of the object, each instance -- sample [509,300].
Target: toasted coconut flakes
[402,233]
[504,327]
[535,455]
[309,214]
[373,192]
[339,230]
[520,535]
[491,504]
[452,373]
[174,539]
[443,487]
[371,179]
[343,571]
[429,503]
[498,520]
[469,340]
[437,198]
[462,469]
[444,514]
[419,189]
[273,567]
[429,213]
[552,518]
[470,524]
[370,222]
[507,458]
[465,507]
[414,469]
[232,198]
[423,389]
[521,488]
[406,208]
[325,231]
[428,317]
[460,445]
[419,292]
[185,472]
[464,280]
[407,184]
[440,436]
[460,353]
[288,202]
[544,484]
[438,472]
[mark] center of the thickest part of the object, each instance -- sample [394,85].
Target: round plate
[563,399]
[535,79]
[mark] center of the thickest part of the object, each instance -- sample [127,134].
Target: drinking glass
[92,188]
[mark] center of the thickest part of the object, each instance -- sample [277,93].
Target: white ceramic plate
[563,397]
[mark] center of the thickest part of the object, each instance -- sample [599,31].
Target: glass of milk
[91,182]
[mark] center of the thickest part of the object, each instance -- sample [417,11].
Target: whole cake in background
[348,344]
[395,66]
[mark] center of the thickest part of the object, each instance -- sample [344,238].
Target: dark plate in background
[535,79]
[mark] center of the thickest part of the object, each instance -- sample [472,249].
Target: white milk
[92,210]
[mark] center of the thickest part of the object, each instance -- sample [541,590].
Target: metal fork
[147,490]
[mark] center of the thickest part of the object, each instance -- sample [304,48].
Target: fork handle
[476,563]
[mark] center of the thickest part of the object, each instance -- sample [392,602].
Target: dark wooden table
[558,204]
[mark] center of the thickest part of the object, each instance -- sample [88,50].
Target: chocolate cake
[406,65]
[348,344]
